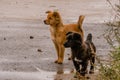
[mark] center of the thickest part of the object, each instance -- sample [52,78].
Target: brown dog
[58,32]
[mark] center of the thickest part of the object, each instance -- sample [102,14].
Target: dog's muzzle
[66,45]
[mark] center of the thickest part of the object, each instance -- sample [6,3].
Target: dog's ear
[56,14]
[69,33]
[48,12]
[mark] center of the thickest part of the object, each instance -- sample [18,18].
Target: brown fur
[58,32]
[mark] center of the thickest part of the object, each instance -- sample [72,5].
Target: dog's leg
[77,66]
[57,50]
[84,68]
[92,61]
[61,54]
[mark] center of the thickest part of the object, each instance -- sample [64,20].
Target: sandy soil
[20,19]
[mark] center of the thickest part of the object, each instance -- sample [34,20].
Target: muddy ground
[20,19]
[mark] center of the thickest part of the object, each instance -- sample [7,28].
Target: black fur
[82,51]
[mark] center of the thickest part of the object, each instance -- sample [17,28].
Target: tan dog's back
[72,27]
[76,27]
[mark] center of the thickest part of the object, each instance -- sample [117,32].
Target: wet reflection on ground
[20,19]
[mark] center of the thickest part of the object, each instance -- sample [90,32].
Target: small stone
[25,57]
[4,38]
[88,77]
[31,37]
[39,50]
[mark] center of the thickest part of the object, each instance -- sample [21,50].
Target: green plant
[111,71]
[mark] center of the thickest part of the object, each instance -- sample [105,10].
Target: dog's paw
[76,75]
[58,62]
[79,76]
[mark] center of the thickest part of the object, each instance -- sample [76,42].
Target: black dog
[82,51]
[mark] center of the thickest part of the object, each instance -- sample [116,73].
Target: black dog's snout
[66,45]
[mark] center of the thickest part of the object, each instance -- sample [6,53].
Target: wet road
[20,19]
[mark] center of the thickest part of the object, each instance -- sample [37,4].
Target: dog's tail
[80,21]
[89,42]
[89,37]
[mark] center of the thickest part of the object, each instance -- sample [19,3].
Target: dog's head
[73,39]
[53,18]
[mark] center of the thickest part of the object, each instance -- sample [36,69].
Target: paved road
[20,19]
